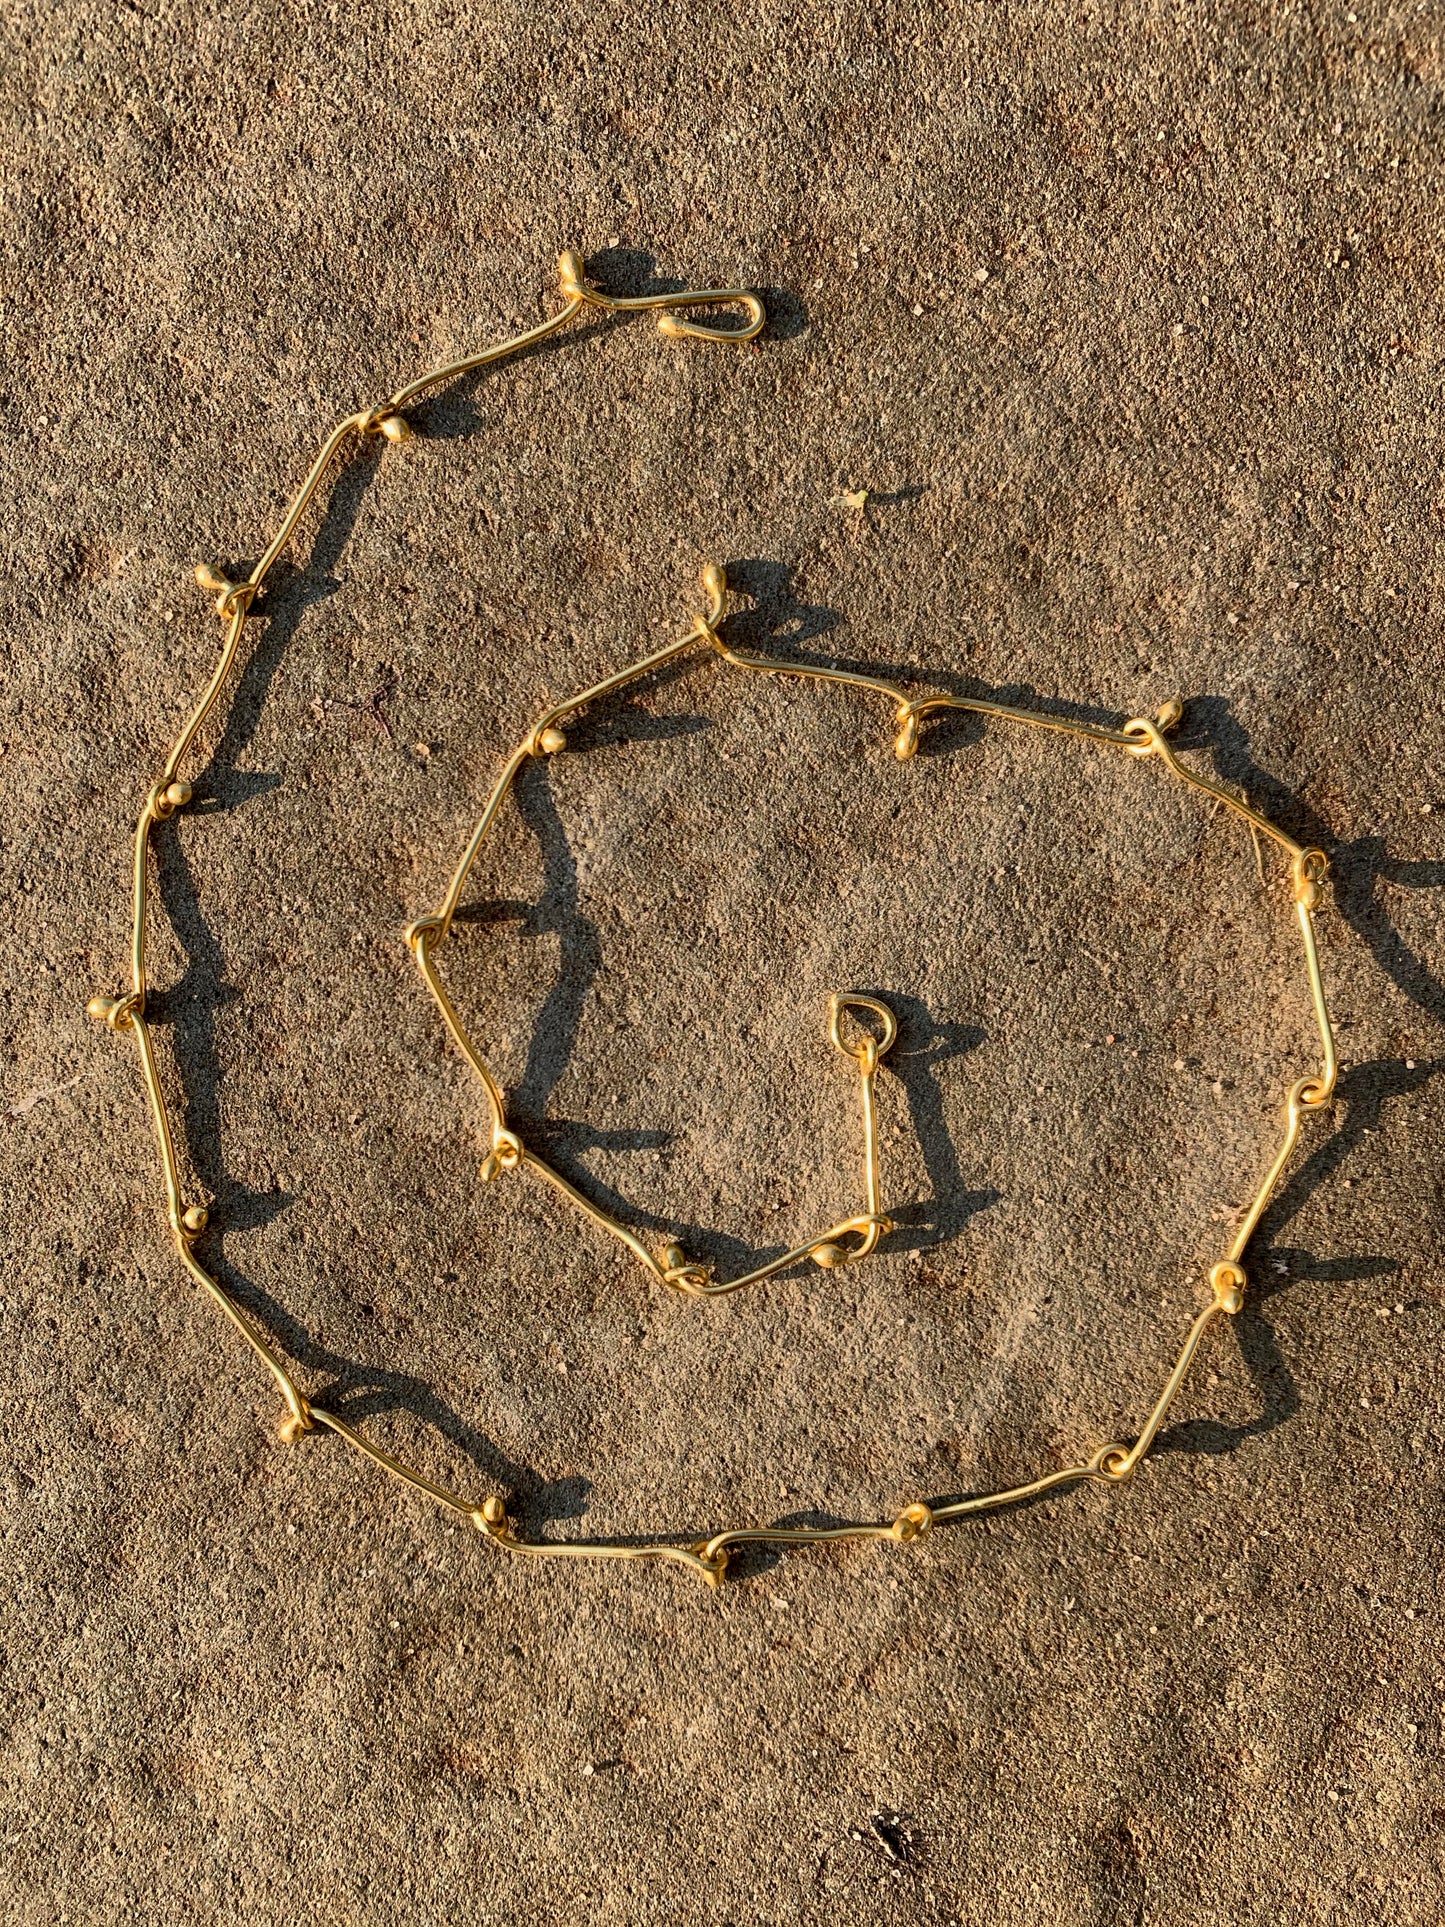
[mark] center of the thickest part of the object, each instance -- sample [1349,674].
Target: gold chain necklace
[848,1242]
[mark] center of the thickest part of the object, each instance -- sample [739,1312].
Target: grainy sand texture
[1125,322]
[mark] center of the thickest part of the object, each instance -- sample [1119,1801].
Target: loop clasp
[871,1049]
[506,1154]
[1307,873]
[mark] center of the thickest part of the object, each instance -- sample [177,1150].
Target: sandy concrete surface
[1128,320]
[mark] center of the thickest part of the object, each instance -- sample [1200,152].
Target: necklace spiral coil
[862,1028]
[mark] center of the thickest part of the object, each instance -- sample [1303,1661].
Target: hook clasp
[574,284]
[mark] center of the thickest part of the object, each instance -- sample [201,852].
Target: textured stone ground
[1127,319]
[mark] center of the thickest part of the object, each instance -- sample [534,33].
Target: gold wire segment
[125,1015]
[1141,737]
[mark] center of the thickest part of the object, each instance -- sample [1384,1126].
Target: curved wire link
[1140,737]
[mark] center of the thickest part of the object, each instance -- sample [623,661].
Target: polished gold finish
[861,1028]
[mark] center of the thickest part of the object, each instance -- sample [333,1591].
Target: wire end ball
[231,597]
[490,1518]
[715,582]
[165,802]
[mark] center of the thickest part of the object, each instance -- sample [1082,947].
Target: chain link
[871,1027]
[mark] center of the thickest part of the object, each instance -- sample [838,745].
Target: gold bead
[396,428]
[552,740]
[1169,716]
[907,741]
[829,1256]
[569,273]
[196,1219]
[494,1512]
[674,1258]
[293,1429]
[100,1008]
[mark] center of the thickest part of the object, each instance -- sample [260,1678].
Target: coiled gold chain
[867,1043]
